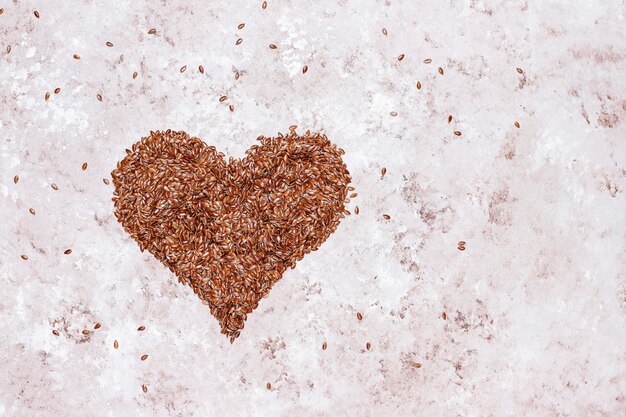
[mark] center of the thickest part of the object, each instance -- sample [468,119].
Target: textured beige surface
[536,304]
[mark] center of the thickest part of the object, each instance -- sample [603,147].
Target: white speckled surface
[536,304]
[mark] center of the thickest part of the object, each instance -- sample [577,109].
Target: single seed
[84,166]
[268,386]
[418,85]
[400,57]
[32,211]
[393,113]
[238,41]
[305,69]
[324,346]
[231,108]
[520,71]
[428,61]
[144,388]
[417,365]
[135,75]
[183,68]
[240,25]
[449,118]
[346,212]
[152,31]
[354,195]
[54,187]
[368,346]
[356,210]
[55,332]
[458,133]
[1,11]
[444,315]
[86,332]
[144,357]
[272,46]
[36,14]
[385,31]
[440,70]
[201,69]
[386,216]
[76,56]
[57,90]
[115,344]
[9,49]
[383,171]
[223,99]
[109,44]
[99,97]
[141,328]
[16,179]
[264,5]
[359,316]
[236,76]
[461,245]
[105,181]
[516,124]
[67,251]
[24,257]
[97,326]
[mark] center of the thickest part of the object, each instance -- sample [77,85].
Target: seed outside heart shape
[230,229]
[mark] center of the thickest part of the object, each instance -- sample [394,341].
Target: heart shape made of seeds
[230,229]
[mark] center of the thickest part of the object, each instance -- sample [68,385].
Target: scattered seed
[520,71]
[385,31]
[231,108]
[268,386]
[400,57]
[141,328]
[85,332]
[144,357]
[516,124]
[386,216]
[428,61]
[135,75]
[76,56]
[32,211]
[152,31]
[418,85]
[183,68]
[240,25]
[201,69]
[272,46]
[36,14]
[368,346]
[359,316]
[354,195]
[461,245]
[223,99]
[99,97]
[115,344]
[440,70]
[9,49]
[16,179]
[105,181]
[1,11]
[305,69]
[67,251]
[109,44]
[97,326]
[238,41]
[57,90]
[444,315]
[324,346]
[449,118]
[236,76]
[84,167]
[55,332]
[47,96]
[346,212]
[24,257]
[458,133]
[393,113]
[383,171]
[417,365]
[144,388]
[356,210]
[54,187]
[264,5]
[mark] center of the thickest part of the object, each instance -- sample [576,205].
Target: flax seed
[115,344]
[24,257]
[97,326]
[32,211]
[223,99]
[105,181]
[152,31]
[55,332]
[144,357]
[356,210]
[305,69]
[458,133]
[264,5]
[520,71]
[386,216]
[99,97]
[385,31]
[16,179]
[109,44]
[272,46]
[400,57]
[238,41]
[57,90]
[76,56]
[418,85]
[268,386]
[368,346]
[84,167]
[440,70]
[417,365]
[449,119]
[393,113]
[54,187]
[324,346]
[183,68]
[9,49]
[141,328]
[36,13]
[67,251]
[383,171]
[240,26]
[47,96]
[359,316]
[231,108]
[461,245]
[144,388]
[201,69]
[86,332]
[444,315]
[428,61]
[516,124]
[135,75]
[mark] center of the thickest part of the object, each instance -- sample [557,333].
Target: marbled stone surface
[535,305]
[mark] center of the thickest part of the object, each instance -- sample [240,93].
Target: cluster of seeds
[230,229]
